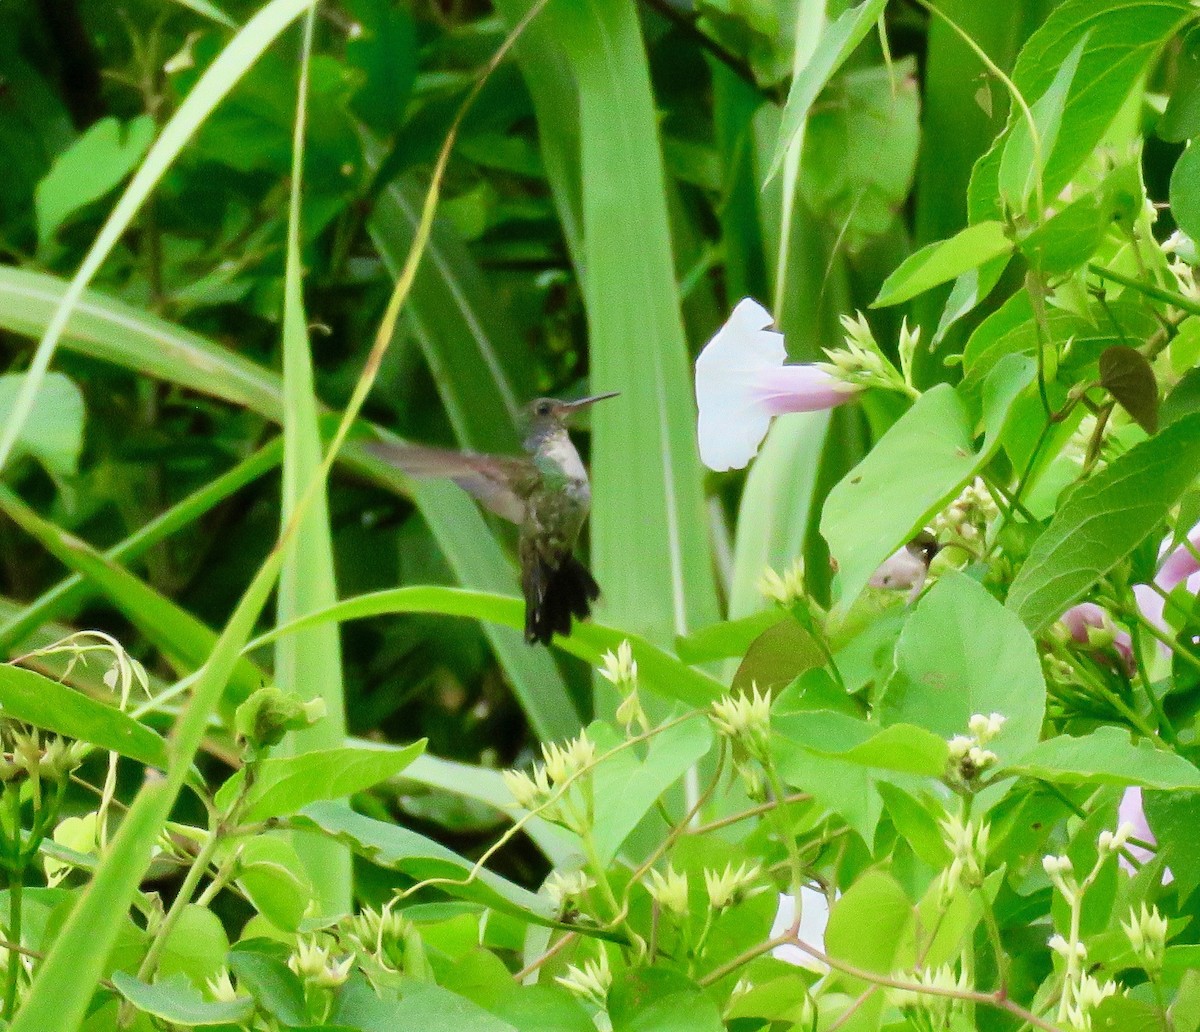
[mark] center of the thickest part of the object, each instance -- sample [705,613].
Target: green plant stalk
[779,819]
[308,665]
[1165,727]
[186,891]
[16,877]
[71,591]
[1151,290]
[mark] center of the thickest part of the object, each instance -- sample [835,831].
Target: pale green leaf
[53,434]
[1103,520]
[1106,756]
[176,1000]
[92,166]
[944,260]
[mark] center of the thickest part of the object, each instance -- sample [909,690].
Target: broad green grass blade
[65,596]
[777,505]
[109,330]
[182,638]
[650,547]
[467,342]
[808,77]
[218,79]
[658,670]
[308,665]
[551,83]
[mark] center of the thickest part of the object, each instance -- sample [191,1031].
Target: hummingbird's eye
[543,408]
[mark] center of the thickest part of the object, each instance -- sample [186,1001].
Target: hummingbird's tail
[554,594]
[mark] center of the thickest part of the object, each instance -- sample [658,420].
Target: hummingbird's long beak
[568,407]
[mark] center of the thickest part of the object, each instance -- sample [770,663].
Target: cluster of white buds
[316,964]
[590,981]
[783,588]
[1147,934]
[968,845]
[567,889]
[621,669]
[669,891]
[1061,873]
[544,788]
[1112,842]
[931,1011]
[730,886]
[969,756]
[965,520]
[1065,950]
[1086,997]
[745,720]
[861,362]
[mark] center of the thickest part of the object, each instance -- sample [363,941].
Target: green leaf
[1106,756]
[1071,236]
[285,785]
[942,261]
[902,747]
[777,657]
[659,1000]
[837,43]
[1184,399]
[176,1000]
[400,849]
[195,947]
[860,151]
[272,876]
[1122,39]
[1181,120]
[1128,376]
[53,433]
[961,653]
[423,1006]
[919,465]
[276,989]
[726,639]
[1020,167]
[92,166]
[1185,192]
[626,787]
[1103,520]
[37,700]
[1173,816]
[871,927]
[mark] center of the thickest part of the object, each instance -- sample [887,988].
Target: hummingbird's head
[548,416]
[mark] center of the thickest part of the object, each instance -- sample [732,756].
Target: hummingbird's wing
[500,483]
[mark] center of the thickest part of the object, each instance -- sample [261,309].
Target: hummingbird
[546,493]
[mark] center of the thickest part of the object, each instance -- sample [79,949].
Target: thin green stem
[1165,727]
[1150,290]
[15,885]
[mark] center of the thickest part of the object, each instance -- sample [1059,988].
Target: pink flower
[1179,567]
[1131,812]
[1082,619]
[742,383]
